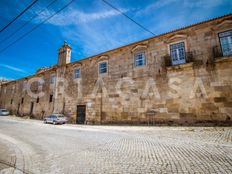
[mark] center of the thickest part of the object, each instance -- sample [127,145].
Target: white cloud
[202,3]
[94,39]
[75,17]
[183,3]
[91,33]
[92,30]
[13,68]
[156,5]
[4,78]
[180,13]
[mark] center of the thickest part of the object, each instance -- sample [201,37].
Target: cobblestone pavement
[29,146]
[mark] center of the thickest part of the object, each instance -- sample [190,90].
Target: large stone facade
[146,81]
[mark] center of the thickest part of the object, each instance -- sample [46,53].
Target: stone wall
[197,91]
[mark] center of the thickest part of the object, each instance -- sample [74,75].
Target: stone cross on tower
[64,54]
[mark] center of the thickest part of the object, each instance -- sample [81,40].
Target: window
[13,89]
[177,53]
[139,59]
[226,42]
[37,100]
[11,102]
[53,78]
[22,100]
[77,73]
[102,67]
[24,85]
[50,98]
[60,116]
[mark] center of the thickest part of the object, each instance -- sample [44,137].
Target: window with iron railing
[177,53]
[188,56]
[226,42]
[225,47]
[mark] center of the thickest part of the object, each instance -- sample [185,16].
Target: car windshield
[3,110]
[60,116]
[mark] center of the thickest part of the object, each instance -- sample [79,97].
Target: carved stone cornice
[176,37]
[103,57]
[141,46]
[223,24]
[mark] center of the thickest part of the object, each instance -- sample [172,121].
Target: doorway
[18,109]
[81,110]
[32,107]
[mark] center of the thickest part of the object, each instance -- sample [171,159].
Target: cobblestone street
[29,146]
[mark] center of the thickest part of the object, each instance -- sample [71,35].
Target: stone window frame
[5,89]
[13,88]
[134,58]
[218,37]
[74,73]
[24,85]
[220,28]
[175,42]
[107,67]
[53,78]
[138,49]
[223,26]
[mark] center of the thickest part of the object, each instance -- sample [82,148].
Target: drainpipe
[55,91]
[63,106]
[63,95]
[101,108]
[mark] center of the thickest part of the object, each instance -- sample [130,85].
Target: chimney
[64,54]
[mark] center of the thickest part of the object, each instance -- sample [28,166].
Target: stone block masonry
[183,76]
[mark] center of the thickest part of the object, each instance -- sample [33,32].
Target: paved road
[29,146]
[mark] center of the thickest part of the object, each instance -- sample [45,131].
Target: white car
[56,119]
[4,112]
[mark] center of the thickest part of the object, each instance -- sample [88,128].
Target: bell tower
[64,54]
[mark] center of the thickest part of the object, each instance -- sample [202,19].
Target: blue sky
[90,27]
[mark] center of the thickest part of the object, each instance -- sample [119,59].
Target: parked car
[4,112]
[56,119]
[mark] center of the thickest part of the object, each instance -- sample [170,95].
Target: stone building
[2,81]
[183,76]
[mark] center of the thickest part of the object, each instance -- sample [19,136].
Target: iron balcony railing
[217,52]
[188,59]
